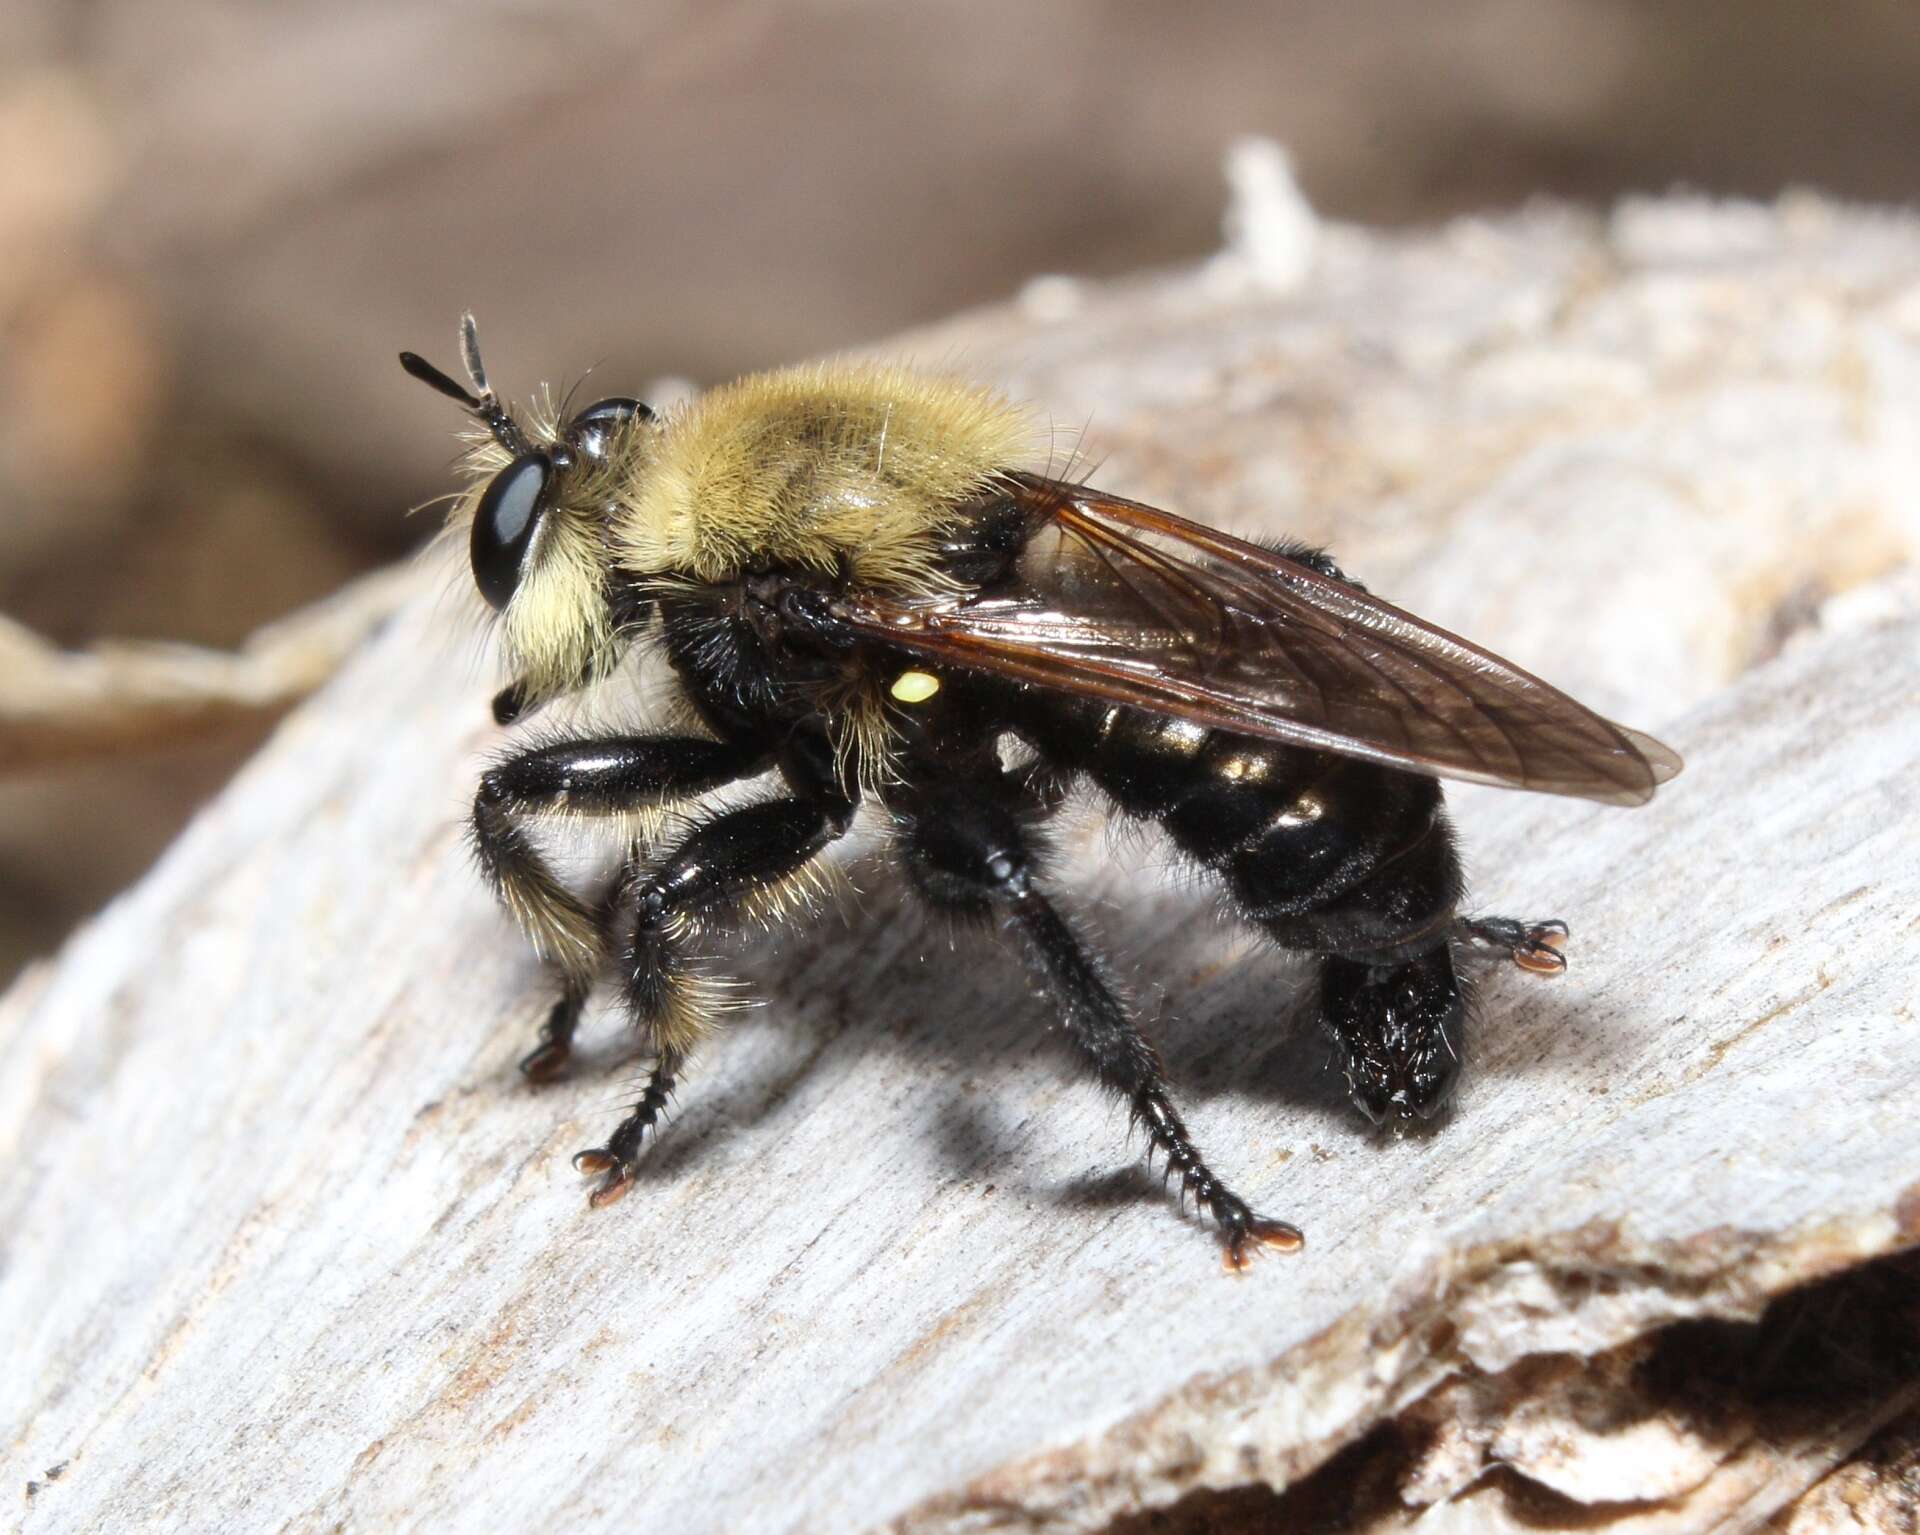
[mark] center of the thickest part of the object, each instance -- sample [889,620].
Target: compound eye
[593,429]
[504,524]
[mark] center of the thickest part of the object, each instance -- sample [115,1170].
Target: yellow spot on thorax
[915,687]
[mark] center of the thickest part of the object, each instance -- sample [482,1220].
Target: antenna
[484,404]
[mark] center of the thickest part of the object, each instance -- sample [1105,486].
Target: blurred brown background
[218,222]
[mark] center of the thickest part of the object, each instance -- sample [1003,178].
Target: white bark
[288,1245]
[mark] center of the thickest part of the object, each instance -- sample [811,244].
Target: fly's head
[537,513]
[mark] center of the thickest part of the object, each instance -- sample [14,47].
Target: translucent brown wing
[1125,602]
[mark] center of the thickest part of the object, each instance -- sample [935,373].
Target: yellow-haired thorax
[557,629]
[835,464]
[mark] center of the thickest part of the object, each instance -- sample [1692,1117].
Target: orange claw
[545,1061]
[595,1161]
[1277,1235]
[613,1188]
[1542,955]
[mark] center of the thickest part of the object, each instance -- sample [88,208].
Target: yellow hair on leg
[805,893]
[696,1000]
[562,931]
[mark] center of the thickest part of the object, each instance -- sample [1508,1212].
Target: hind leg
[968,852]
[1398,1024]
[1533,946]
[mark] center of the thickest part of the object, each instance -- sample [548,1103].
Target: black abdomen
[1325,853]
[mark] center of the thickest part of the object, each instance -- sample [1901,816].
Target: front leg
[554,1048]
[616,775]
[745,859]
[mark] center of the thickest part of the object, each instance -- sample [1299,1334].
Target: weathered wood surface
[288,1245]
[60,706]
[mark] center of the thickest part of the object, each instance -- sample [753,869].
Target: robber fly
[863,596]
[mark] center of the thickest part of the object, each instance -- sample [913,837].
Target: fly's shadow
[952,1001]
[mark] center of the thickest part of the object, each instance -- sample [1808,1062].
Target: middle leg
[740,858]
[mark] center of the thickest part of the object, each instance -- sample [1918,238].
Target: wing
[1124,602]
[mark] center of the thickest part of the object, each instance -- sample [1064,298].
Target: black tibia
[1128,1064]
[598,777]
[725,863]
[968,848]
